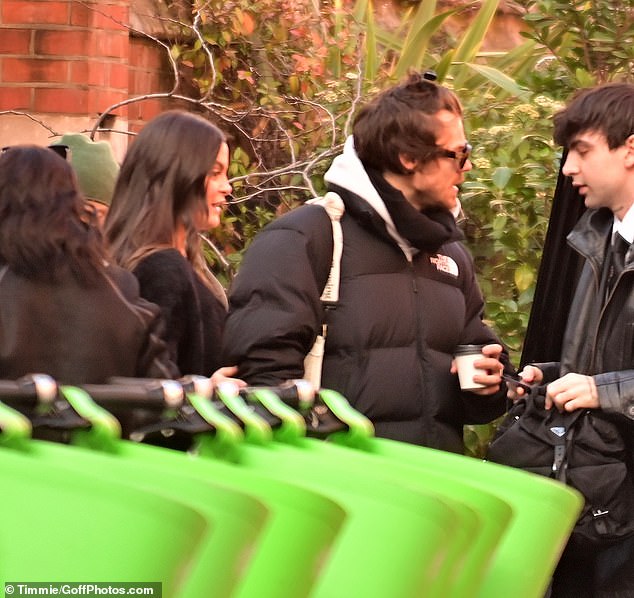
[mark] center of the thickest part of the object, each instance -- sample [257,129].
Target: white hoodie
[347,171]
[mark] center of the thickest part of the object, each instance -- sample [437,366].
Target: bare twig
[31,117]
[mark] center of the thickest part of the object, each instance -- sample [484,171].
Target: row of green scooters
[278,493]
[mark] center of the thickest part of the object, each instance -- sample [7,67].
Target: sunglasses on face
[461,157]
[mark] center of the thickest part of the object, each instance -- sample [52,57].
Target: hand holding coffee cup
[478,367]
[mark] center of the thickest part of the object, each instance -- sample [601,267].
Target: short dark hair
[606,109]
[401,120]
[45,232]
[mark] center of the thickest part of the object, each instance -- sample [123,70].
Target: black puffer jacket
[79,334]
[390,342]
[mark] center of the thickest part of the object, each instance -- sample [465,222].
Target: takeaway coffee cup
[465,355]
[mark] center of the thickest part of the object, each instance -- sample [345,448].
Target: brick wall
[64,62]
[147,73]
[63,57]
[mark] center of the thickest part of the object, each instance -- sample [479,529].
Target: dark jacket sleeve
[550,370]
[165,281]
[616,392]
[274,306]
[154,359]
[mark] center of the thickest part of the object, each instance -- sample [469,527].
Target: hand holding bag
[584,449]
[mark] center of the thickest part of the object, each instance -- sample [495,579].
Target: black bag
[583,449]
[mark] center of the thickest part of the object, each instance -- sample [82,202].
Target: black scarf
[426,230]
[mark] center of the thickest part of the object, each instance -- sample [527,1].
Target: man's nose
[570,166]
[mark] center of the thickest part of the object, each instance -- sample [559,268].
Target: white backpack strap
[333,204]
[313,362]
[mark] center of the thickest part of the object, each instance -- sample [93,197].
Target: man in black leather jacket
[408,292]
[596,368]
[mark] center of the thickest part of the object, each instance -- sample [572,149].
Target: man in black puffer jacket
[408,293]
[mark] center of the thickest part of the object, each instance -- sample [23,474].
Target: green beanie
[94,165]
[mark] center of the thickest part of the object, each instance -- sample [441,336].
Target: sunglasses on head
[61,150]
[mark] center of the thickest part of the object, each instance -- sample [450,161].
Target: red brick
[112,44]
[134,127]
[62,43]
[134,111]
[147,54]
[114,18]
[98,73]
[120,12]
[24,70]
[35,13]
[100,16]
[100,100]
[80,15]
[139,113]
[61,100]
[15,41]
[79,72]
[145,110]
[16,98]
[143,82]
[118,75]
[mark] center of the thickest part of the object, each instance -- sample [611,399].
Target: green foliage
[280,77]
[506,200]
[421,43]
[583,42]
[476,438]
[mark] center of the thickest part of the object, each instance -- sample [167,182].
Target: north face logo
[444,263]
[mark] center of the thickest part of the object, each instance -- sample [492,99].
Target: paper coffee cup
[464,356]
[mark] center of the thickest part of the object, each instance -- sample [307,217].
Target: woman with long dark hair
[172,186]
[63,310]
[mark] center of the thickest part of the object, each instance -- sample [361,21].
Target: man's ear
[629,144]
[409,163]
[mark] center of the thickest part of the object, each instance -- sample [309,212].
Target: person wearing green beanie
[96,170]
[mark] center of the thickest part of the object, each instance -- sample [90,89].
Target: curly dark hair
[401,121]
[45,230]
